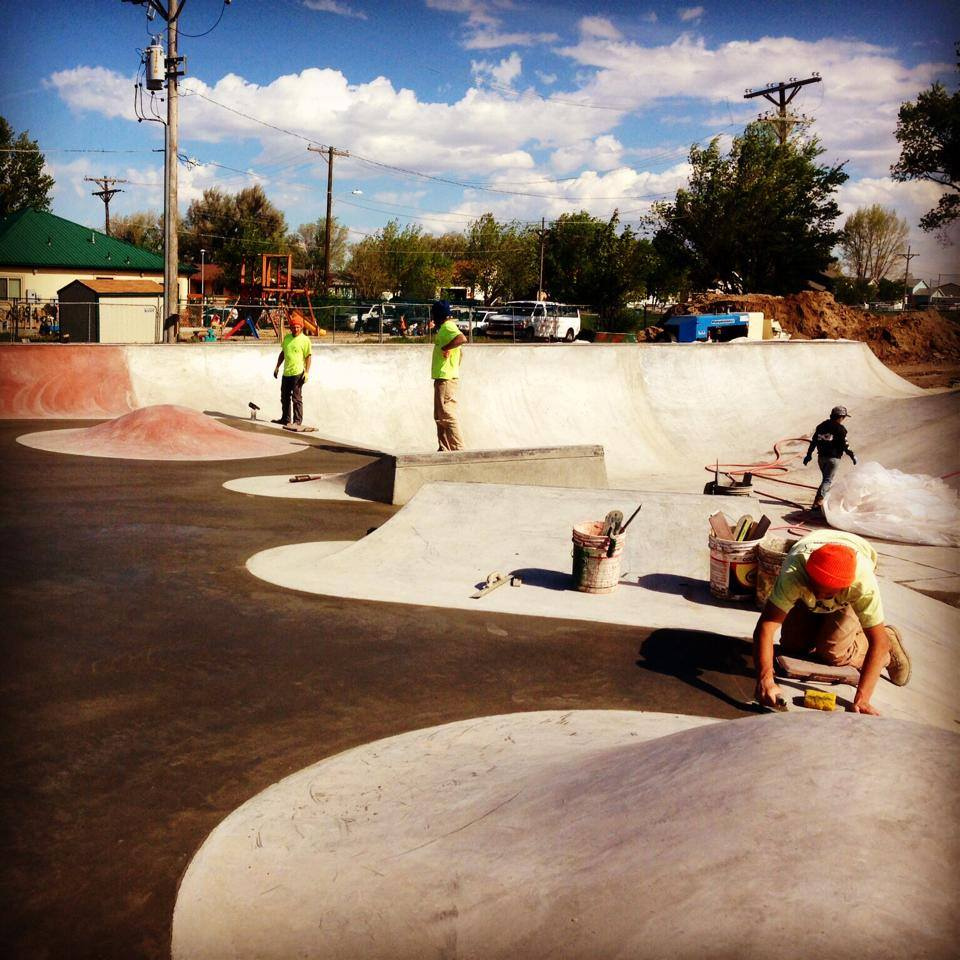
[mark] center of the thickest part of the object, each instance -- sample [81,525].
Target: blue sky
[452,108]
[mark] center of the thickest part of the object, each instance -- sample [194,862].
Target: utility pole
[106,193]
[171,249]
[543,238]
[331,153]
[908,256]
[783,122]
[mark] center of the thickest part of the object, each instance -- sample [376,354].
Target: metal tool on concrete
[301,477]
[495,580]
[253,410]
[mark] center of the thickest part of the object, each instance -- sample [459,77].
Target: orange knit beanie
[832,566]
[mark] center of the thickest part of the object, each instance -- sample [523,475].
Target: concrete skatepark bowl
[499,833]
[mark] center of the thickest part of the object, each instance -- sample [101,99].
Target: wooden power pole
[783,122]
[330,152]
[106,193]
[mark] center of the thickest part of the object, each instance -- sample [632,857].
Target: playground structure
[266,282]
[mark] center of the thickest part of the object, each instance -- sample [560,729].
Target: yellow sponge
[820,700]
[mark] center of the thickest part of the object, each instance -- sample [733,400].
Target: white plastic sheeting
[908,508]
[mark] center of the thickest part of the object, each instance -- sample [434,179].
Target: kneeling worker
[828,601]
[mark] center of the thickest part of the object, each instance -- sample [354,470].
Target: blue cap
[440,310]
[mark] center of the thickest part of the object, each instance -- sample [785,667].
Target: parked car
[534,320]
[464,318]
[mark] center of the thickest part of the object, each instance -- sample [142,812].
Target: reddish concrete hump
[163,432]
[75,381]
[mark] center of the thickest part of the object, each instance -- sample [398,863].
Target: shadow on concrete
[696,591]
[689,655]
[548,579]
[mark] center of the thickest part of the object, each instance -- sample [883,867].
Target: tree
[500,259]
[760,218]
[871,240]
[143,229]
[366,269]
[230,228]
[592,261]
[929,135]
[307,245]
[23,184]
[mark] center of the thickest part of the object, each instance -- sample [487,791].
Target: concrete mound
[594,835]
[162,432]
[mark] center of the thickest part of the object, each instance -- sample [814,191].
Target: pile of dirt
[915,335]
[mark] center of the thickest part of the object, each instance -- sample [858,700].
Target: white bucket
[733,568]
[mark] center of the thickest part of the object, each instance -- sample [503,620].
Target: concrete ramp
[590,835]
[442,545]
[661,412]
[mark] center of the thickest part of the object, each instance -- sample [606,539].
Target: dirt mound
[916,335]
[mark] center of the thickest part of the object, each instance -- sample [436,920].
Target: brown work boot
[898,669]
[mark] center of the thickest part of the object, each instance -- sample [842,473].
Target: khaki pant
[445,413]
[835,638]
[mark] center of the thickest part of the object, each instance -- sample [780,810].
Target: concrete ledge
[395,478]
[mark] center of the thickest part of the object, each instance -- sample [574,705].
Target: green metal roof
[32,238]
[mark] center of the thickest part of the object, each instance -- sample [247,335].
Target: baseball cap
[440,310]
[832,566]
[839,412]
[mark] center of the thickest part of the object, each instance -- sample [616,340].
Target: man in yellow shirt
[445,370]
[828,602]
[295,356]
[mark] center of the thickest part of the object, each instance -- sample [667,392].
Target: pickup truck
[534,320]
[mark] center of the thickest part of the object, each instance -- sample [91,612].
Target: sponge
[820,700]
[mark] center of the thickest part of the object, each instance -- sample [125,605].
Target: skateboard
[299,428]
[797,669]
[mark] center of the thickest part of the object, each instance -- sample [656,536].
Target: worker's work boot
[898,669]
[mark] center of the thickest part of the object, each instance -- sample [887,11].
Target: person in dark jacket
[830,441]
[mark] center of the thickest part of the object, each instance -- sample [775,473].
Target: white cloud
[334,6]
[602,153]
[95,88]
[502,74]
[649,17]
[546,78]
[599,27]
[492,39]
[689,14]
[484,26]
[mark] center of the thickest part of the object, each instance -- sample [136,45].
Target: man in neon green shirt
[828,601]
[295,356]
[445,370]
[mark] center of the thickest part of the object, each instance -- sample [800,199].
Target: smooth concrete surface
[445,542]
[162,432]
[396,478]
[660,411]
[594,835]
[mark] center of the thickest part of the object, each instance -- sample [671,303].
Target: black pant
[290,389]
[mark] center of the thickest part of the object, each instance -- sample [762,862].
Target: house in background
[41,254]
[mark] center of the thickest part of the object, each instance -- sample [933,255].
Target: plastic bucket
[596,558]
[733,568]
[770,556]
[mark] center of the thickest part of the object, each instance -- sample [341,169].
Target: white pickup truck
[534,320]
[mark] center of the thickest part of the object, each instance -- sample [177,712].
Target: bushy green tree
[928,131]
[500,259]
[142,229]
[232,227]
[759,219]
[597,263]
[307,242]
[23,184]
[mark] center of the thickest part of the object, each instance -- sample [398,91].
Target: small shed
[111,311]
